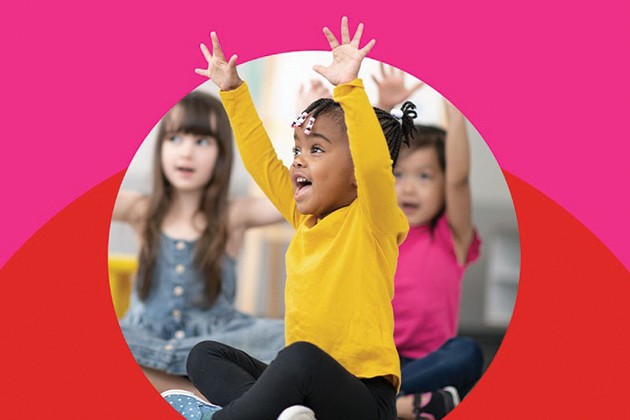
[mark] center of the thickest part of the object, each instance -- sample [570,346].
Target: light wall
[274,82]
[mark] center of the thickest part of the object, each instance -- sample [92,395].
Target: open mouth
[409,207]
[185,170]
[301,186]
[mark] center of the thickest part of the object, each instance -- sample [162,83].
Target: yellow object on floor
[122,268]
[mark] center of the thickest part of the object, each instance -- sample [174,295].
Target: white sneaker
[297,412]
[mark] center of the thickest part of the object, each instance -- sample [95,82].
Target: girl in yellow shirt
[339,194]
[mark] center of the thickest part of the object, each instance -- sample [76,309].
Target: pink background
[543,82]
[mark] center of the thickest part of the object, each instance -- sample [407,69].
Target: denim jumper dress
[161,330]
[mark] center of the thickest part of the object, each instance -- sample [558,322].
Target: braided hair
[397,130]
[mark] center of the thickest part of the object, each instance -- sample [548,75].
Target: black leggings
[301,374]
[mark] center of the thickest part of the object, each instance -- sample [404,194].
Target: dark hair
[431,137]
[397,131]
[200,114]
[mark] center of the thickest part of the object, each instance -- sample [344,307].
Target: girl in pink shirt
[437,366]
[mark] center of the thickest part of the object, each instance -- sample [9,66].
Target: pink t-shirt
[427,289]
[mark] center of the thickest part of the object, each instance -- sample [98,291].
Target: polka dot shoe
[189,405]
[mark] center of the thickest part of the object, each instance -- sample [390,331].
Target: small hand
[307,96]
[347,56]
[391,87]
[221,72]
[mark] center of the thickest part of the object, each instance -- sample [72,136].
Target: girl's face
[188,160]
[420,185]
[322,170]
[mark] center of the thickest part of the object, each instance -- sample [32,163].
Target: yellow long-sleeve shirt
[340,269]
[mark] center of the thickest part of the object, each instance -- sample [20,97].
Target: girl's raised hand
[221,72]
[347,56]
[391,87]
[307,95]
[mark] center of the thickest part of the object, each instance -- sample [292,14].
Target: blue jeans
[458,363]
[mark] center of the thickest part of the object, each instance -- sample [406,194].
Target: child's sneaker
[435,405]
[297,412]
[190,406]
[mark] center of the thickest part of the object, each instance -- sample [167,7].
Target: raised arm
[249,212]
[246,213]
[458,197]
[223,73]
[368,147]
[347,56]
[254,145]
[391,87]
[130,207]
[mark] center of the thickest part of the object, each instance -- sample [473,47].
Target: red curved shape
[63,353]
[564,354]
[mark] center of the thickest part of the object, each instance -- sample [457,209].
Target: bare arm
[249,212]
[458,198]
[391,87]
[130,207]
[368,147]
[254,145]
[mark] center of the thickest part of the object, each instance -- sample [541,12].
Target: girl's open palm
[347,56]
[221,72]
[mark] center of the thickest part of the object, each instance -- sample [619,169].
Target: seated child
[339,194]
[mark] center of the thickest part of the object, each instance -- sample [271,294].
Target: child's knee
[303,348]
[200,354]
[473,351]
[300,361]
[303,354]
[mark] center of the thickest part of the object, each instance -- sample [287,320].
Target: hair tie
[309,126]
[409,110]
[397,113]
[299,120]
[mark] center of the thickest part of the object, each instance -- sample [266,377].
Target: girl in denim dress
[189,233]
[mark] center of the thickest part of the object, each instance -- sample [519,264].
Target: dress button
[178,290]
[180,245]
[180,334]
[176,313]
[169,347]
[179,268]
